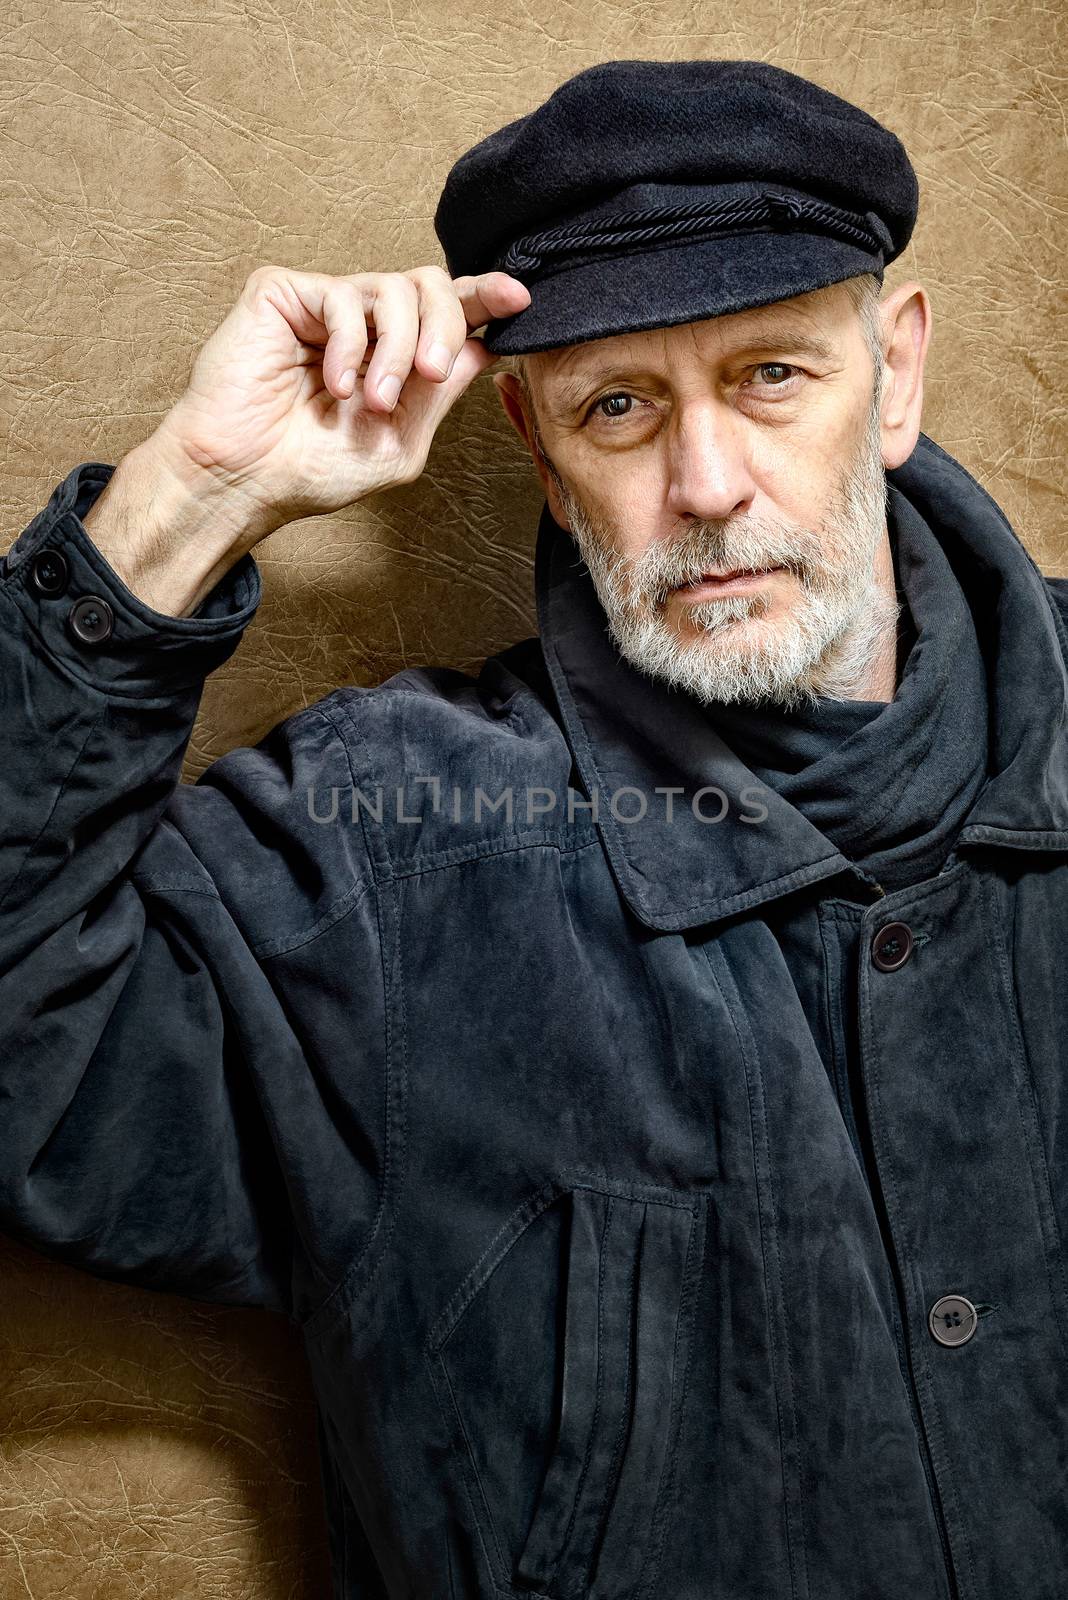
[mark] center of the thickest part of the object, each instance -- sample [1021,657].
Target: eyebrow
[568,394]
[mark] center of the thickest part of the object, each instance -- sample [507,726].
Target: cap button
[783,210]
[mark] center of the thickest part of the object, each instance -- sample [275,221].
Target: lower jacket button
[49,571]
[952,1319]
[891,946]
[91,619]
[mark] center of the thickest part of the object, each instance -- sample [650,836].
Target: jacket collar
[644,750]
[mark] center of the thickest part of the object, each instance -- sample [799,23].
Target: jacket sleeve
[191,991]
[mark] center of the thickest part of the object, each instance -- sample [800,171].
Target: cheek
[624,531]
[624,502]
[796,475]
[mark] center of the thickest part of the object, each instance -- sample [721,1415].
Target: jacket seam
[346,746]
[262,949]
[450,854]
[269,949]
[460,855]
[385,692]
[777,1337]
[262,952]
[564,1550]
[498,1577]
[568,1180]
[665,1505]
[611,1480]
[832,1010]
[932,1416]
[266,950]
[1043,1192]
[345,1289]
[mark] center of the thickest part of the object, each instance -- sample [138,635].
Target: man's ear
[905,325]
[514,401]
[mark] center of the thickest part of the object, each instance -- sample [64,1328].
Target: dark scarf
[889,783]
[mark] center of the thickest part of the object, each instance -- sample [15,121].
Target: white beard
[827,645]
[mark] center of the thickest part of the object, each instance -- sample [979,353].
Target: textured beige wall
[150,156]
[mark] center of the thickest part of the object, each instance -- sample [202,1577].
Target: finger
[442,324]
[354,313]
[489,295]
[392,302]
[473,360]
[334,312]
[345,320]
[427,403]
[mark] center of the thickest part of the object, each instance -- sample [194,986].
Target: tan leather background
[150,156]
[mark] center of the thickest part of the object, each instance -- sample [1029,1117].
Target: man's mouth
[712,583]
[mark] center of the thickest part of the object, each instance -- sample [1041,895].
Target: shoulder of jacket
[449,712]
[448,765]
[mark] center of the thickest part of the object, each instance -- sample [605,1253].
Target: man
[636,1068]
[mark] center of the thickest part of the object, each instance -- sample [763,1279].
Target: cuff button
[91,619]
[49,572]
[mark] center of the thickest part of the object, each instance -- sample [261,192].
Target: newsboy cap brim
[687,281]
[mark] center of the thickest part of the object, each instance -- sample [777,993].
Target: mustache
[708,547]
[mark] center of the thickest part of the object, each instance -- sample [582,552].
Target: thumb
[477,358]
[471,362]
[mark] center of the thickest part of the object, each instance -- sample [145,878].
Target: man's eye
[776,367]
[608,400]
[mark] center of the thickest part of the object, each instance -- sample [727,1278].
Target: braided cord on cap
[535,253]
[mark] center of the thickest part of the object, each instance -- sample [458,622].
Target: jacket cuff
[88,620]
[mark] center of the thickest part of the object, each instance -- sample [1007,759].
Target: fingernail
[390,388]
[440,356]
[347,381]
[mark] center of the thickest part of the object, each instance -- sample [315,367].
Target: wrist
[168,528]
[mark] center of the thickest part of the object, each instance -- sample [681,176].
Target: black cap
[643,194]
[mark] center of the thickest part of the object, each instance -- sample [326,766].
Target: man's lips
[711,584]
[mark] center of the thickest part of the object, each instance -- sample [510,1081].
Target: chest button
[952,1319]
[91,619]
[891,946]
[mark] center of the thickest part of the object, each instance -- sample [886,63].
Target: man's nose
[708,463]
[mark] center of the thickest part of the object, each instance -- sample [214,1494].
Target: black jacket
[612,1164]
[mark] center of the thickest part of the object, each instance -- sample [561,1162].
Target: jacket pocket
[561,1365]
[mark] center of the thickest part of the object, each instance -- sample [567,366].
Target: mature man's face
[748,442]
